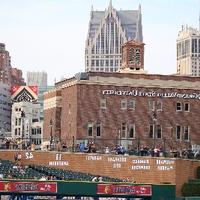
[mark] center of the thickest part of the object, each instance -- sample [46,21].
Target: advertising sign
[33,187]
[136,190]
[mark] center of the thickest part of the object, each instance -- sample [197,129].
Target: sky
[50,35]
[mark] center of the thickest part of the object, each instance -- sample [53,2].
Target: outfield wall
[141,169]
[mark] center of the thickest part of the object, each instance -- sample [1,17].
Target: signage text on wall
[39,187]
[152,93]
[137,190]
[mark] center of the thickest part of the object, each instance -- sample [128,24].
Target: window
[19,131]
[90,129]
[158,131]
[103,103]
[123,130]
[155,131]
[131,130]
[186,107]
[69,109]
[39,131]
[132,104]
[124,104]
[178,106]
[137,56]
[151,105]
[151,132]
[16,121]
[92,63]
[131,55]
[178,132]
[159,105]
[98,126]
[33,131]
[186,133]
[16,131]
[20,120]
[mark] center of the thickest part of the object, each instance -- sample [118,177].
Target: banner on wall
[30,187]
[137,190]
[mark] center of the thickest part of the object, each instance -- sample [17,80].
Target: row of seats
[11,170]
[61,174]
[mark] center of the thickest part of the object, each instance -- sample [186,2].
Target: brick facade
[81,99]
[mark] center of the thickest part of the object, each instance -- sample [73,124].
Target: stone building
[107,31]
[188,51]
[27,128]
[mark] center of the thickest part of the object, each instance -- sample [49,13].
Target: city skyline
[50,36]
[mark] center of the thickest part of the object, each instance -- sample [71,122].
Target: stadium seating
[11,170]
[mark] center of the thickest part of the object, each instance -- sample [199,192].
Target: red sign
[34,89]
[137,190]
[14,88]
[33,187]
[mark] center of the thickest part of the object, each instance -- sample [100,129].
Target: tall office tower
[5,64]
[107,31]
[5,109]
[37,78]
[188,51]
[8,76]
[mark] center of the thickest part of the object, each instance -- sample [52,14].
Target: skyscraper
[5,65]
[37,78]
[107,31]
[8,76]
[188,51]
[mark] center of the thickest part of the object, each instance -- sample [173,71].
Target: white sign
[93,157]
[29,155]
[59,161]
[117,161]
[151,93]
[165,165]
[140,164]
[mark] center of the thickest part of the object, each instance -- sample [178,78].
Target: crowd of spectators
[91,147]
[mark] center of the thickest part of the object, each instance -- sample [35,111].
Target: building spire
[139,8]
[91,12]
[199,21]
[110,4]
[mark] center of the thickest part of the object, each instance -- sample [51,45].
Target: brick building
[130,107]
[8,74]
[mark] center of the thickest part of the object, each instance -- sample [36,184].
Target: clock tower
[133,56]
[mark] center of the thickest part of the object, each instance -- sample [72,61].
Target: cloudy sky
[49,35]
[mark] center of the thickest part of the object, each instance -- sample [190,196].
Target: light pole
[51,136]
